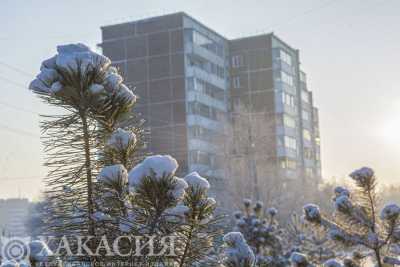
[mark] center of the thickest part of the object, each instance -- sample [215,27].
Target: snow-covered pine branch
[357,222]
[237,253]
[262,232]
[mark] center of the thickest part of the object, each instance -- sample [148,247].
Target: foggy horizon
[349,51]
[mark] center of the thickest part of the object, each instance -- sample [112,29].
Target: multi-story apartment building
[191,81]
[269,87]
[13,216]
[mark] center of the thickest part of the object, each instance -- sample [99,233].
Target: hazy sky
[350,50]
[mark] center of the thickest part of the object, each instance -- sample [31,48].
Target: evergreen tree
[92,101]
[356,222]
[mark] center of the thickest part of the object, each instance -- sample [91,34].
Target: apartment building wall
[150,55]
[268,85]
[13,216]
[192,82]
[177,67]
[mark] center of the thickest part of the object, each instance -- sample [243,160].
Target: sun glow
[390,132]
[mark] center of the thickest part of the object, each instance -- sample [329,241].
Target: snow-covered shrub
[313,242]
[262,232]
[237,253]
[160,203]
[299,260]
[357,223]
[76,73]
[201,227]
[332,263]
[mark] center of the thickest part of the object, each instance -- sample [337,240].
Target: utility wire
[16,69]
[13,82]
[18,131]
[18,108]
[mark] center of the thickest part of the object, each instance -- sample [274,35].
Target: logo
[15,248]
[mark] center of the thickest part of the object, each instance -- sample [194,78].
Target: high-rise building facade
[268,86]
[192,82]
[14,216]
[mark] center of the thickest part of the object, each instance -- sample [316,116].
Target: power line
[16,69]
[18,108]
[13,82]
[308,11]
[6,179]
[18,131]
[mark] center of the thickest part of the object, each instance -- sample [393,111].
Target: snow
[196,181]
[125,224]
[179,188]
[177,213]
[48,76]
[362,175]
[373,239]
[112,81]
[113,173]
[56,87]
[339,191]
[211,201]
[332,263]
[312,212]
[259,205]
[121,139]
[298,259]
[343,203]
[237,250]
[336,235]
[49,63]
[38,86]
[101,217]
[156,167]
[39,250]
[125,227]
[96,88]
[126,95]
[67,189]
[390,211]
[247,202]
[272,211]
[76,63]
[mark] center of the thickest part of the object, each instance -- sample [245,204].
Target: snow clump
[196,181]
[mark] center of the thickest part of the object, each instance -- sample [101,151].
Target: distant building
[13,216]
[191,81]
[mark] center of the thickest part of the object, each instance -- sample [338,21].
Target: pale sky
[350,50]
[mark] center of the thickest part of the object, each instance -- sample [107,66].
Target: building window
[290,142]
[287,142]
[285,57]
[197,108]
[288,99]
[305,115]
[206,88]
[237,61]
[306,135]
[309,172]
[305,96]
[303,77]
[289,121]
[308,153]
[236,82]
[287,163]
[206,42]
[286,78]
